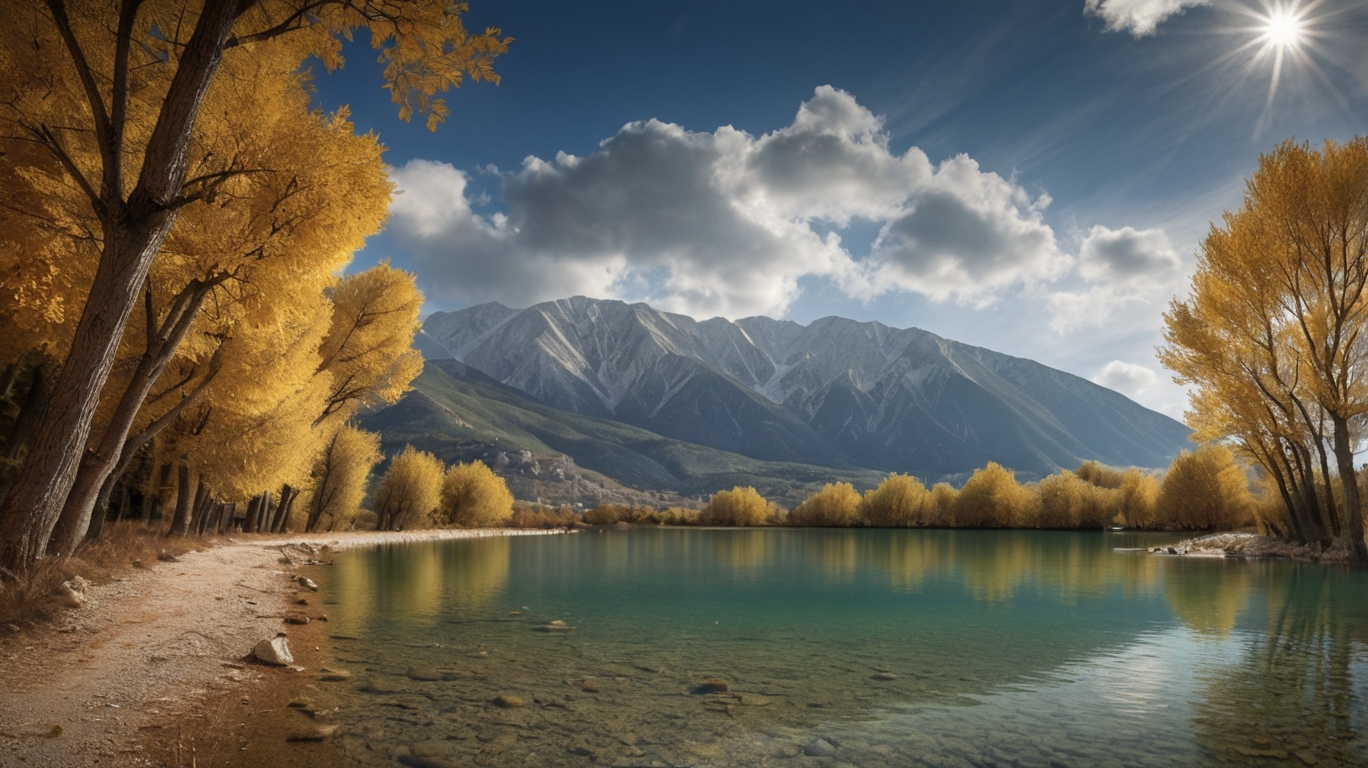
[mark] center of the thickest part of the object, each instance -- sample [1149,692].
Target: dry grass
[124,546]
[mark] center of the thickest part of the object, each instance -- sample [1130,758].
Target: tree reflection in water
[1292,694]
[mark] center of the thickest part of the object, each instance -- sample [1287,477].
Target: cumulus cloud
[1138,17]
[727,223]
[1129,379]
[1121,269]
[1126,254]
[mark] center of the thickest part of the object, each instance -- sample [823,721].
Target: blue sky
[1033,177]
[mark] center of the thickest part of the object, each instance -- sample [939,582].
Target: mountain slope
[835,393]
[461,414]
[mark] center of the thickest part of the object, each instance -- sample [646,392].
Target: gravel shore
[116,681]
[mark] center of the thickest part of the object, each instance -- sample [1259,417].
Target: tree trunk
[28,411]
[253,509]
[1352,508]
[182,500]
[287,494]
[133,231]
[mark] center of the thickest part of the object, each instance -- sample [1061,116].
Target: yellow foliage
[410,492]
[739,506]
[474,497]
[941,508]
[1100,474]
[1139,498]
[1068,501]
[899,501]
[836,505]
[992,498]
[340,477]
[1205,489]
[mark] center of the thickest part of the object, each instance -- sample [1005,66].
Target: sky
[1034,177]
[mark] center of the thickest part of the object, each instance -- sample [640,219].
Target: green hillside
[459,414]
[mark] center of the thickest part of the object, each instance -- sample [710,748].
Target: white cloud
[1122,269]
[725,223]
[1129,379]
[1139,17]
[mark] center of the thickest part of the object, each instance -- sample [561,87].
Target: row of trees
[1202,490]
[174,215]
[1271,338]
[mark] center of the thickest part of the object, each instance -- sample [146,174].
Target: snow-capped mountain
[836,393]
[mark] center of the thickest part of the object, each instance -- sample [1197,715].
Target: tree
[1205,489]
[474,497]
[410,491]
[340,476]
[992,498]
[836,505]
[739,506]
[1272,335]
[113,93]
[899,501]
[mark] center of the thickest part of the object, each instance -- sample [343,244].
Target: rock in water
[819,748]
[275,652]
[508,702]
[307,583]
[712,685]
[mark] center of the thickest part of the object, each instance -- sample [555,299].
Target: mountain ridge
[836,392]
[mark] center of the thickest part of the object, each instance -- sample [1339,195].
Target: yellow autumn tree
[739,506]
[1205,489]
[410,491]
[115,94]
[1271,336]
[992,498]
[1068,501]
[340,477]
[900,501]
[474,497]
[836,505]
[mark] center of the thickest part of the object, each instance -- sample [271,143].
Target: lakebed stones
[883,676]
[275,651]
[819,748]
[307,583]
[555,627]
[507,701]
[712,685]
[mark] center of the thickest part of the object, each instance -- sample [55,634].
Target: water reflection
[1070,651]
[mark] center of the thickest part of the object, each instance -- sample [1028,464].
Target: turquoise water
[863,647]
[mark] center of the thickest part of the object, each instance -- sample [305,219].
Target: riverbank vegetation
[176,217]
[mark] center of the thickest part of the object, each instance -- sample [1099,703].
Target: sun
[1284,30]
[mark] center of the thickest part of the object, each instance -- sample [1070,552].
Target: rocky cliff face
[835,393]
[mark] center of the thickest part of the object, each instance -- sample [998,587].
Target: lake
[855,647]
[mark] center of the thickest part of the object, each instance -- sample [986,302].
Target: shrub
[603,514]
[992,498]
[1100,475]
[410,492]
[474,497]
[940,508]
[836,505]
[561,517]
[739,506]
[899,501]
[1068,501]
[1139,498]
[1205,489]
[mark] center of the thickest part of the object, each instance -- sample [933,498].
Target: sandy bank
[120,675]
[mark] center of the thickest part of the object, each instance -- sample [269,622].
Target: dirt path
[110,683]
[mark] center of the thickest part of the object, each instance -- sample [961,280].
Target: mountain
[460,414]
[836,393]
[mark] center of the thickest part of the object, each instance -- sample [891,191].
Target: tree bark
[28,412]
[253,509]
[1352,508]
[182,500]
[133,231]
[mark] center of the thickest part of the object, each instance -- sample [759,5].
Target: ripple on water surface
[675,647]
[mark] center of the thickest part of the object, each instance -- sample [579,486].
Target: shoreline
[155,668]
[1252,546]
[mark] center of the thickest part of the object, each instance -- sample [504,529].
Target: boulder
[275,652]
